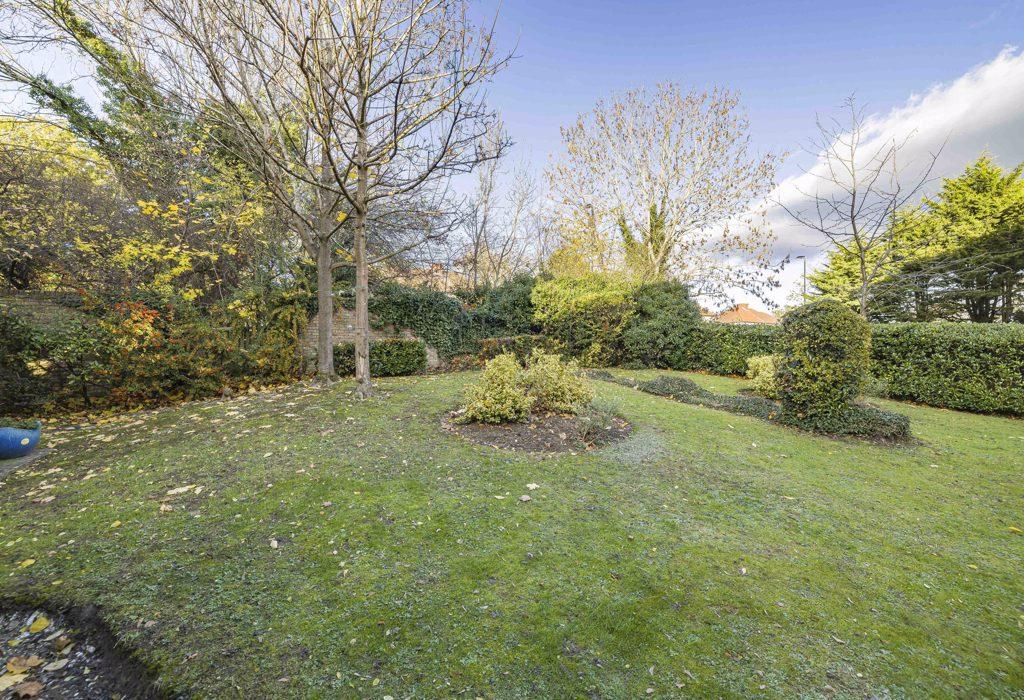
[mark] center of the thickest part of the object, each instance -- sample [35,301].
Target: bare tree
[671,178]
[343,107]
[498,228]
[862,194]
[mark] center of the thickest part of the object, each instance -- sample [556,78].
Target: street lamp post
[804,258]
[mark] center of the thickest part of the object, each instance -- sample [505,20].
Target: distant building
[742,313]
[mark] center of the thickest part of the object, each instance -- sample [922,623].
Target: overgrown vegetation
[585,315]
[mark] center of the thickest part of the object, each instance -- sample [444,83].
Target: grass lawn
[709,554]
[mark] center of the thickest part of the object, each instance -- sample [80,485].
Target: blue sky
[789,60]
[949,72]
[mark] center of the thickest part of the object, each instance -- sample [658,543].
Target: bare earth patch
[68,655]
[549,432]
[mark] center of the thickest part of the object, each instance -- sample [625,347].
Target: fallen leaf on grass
[180,490]
[28,689]
[524,498]
[56,665]
[533,486]
[26,563]
[21,664]
[39,624]
[9,680]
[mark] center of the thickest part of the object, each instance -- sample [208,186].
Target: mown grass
[710,554]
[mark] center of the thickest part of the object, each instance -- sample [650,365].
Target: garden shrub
[128,354]
[21,351]
[761,373]
[500,395]
[555,385]
[966,366]
[823,362]
[389,357]
[662,325]
[584,316]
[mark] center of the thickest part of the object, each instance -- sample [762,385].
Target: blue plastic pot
[18,442]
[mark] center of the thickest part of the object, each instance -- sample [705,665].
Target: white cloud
[982,110]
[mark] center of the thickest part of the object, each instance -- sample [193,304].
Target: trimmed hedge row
[723,348]
[388,358]
[967,366]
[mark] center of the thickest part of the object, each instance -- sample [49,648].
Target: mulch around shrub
[544,433]
[68,655]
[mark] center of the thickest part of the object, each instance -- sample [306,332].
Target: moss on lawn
[710,554]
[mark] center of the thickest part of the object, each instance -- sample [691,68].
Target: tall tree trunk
[364,388]
[324,313]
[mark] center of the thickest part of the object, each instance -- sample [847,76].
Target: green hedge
[723,348]
[966,366]
[388,358]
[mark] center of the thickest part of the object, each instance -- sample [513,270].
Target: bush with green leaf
[389,357]
[966,366]
[500,395]
[555,385]
[585,315]
[761,373]
[662,325]
[824,352]
[723,348]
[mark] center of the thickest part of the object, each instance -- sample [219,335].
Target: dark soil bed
[546,433]
[68,655]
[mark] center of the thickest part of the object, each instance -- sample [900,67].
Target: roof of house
[742,313]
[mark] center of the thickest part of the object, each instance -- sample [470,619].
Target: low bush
[661,327]
[388,358]
[761,373]
[822,363]
[966,366]
[584,316]
[555,385]
[857,420]
[499,396]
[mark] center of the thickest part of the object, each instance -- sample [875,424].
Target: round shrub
[500,395]
[824,352]
[761,373]
[662,325]
[555,385]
